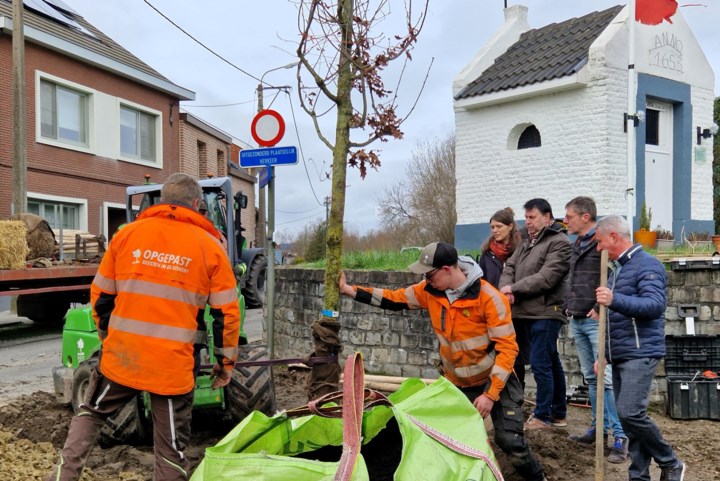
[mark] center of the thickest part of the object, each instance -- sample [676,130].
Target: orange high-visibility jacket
[149,296]
[465,330]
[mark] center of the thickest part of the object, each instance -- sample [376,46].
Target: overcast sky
[259,35]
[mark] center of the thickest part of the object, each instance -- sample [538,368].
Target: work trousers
[171,429]
[507,418]
[632,381]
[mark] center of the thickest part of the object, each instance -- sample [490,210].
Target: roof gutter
[72,50]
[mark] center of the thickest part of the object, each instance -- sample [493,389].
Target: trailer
[44,294]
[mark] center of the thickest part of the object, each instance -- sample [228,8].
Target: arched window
[529,139]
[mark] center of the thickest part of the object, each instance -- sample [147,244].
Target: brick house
[206,151]
[539,113]
[97,119]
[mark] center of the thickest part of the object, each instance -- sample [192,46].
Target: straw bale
[40,237]
[13,247]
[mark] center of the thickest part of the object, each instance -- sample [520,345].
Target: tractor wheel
[126,426]
[81,381]
[251,388]
[47,309]
[254,290]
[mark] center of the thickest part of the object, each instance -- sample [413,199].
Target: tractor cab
[216,193]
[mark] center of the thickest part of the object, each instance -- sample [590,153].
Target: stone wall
[403,343]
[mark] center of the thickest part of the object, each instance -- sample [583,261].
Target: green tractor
[250,389]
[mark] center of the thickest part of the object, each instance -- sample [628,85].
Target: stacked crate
[692,366]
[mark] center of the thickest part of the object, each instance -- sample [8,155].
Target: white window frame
[89,148]
[106,206]
[81,203]
[158,164]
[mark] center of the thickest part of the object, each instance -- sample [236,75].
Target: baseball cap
[434,256]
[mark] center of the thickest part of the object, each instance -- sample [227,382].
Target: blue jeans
[547,370]
[585,333]
[632,381]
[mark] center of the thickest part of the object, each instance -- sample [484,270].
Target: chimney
[516,13]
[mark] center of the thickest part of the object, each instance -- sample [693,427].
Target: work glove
[220,377]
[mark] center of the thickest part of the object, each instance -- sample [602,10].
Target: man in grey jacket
[535,281]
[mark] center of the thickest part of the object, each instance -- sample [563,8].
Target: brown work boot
[534,423]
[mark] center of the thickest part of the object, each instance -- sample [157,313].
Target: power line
[199,42]
[226,105]
[301,212]
[185,107]
[302,154]
[296,220]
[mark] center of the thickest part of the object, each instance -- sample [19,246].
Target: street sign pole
[270,289]
[268,128]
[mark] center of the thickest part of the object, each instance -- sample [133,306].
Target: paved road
[26,366]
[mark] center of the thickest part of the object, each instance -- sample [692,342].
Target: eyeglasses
[429,275]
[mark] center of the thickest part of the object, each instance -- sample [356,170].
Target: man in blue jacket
[636,299]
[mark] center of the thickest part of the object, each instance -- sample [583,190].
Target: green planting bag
[418,432]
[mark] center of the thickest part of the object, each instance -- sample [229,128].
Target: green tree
[316,247]
[344,51]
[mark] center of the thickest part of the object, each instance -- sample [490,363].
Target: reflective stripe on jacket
[465,330]
[149,296]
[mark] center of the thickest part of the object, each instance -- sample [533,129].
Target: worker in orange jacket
[148,300]
[472,322]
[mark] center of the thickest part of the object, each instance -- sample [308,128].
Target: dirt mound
[33,428]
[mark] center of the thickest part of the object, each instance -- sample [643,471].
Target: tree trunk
[326,332]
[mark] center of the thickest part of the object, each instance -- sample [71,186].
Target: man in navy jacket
[636,299]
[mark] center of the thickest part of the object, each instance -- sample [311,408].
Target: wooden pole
[600,398]
[19,148]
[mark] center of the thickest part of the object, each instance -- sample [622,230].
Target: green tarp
[442,433]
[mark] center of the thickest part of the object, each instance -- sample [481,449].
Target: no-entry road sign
[267,128]
[266,157]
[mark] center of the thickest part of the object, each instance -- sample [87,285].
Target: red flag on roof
[653,12]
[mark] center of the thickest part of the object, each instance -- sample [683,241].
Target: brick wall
[64,172]
[403,343]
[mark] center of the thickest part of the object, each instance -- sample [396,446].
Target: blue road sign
[264,176]
[269,156]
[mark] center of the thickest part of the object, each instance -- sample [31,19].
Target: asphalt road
[26,365]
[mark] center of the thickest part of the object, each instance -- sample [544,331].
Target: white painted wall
[584,145]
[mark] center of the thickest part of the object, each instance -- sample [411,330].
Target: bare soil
[33,428]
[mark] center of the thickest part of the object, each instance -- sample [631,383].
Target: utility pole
[270,231]
[19,147]
[327,210]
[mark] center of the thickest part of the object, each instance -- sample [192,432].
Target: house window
[137,134]
[652,127]
[63,114]
[56,213]
[530,138]
[221,164]
[202,160]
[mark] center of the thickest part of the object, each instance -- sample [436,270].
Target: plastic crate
[686,355]
[688,399]
[690,395]
[691,264]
